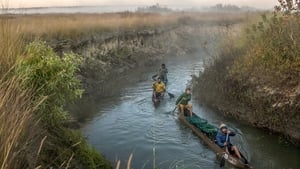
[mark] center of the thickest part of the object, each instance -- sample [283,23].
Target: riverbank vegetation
[255,77]
[76,25]
[37,82]
[35,85]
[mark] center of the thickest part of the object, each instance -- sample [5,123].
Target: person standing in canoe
[159,89]
[223,140]
[183,101]
[162,73]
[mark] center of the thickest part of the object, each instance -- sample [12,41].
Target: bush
[51,76]
[53,79]
[272,45]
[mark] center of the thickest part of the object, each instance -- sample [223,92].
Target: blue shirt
[221,138]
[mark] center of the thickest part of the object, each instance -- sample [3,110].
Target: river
[129,123]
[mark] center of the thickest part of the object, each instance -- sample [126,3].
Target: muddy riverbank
[264,100]
[109,58]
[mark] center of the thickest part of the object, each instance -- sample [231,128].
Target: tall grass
[21,132]
[11,43]
[74,25]
[16,127]
[16,105]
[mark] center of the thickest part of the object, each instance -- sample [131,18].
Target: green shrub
[51,76]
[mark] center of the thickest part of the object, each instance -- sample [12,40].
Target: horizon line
[78,6]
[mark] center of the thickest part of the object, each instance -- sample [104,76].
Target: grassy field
[73,25]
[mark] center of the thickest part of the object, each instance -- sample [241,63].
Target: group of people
[182,102]
[159,88]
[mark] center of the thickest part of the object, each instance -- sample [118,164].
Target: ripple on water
[131,124]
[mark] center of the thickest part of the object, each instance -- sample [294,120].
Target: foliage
[260,84]
[51,76]
[273,44]
[67,148]
[288,6]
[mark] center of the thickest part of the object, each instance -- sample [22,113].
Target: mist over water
[129,123]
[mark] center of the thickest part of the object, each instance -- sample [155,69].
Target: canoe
[207,133]
[157,101]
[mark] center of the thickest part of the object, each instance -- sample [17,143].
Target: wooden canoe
[156,101]
[231,160]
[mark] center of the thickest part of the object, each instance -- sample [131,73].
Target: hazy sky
[40,3]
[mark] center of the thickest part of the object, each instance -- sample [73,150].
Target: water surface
[129,123]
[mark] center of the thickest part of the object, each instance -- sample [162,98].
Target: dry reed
[128,162]
[16,115]
[11,44]
[73,25]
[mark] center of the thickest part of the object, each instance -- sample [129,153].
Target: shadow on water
[127,122]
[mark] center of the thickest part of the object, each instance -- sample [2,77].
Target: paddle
[154,77]
[171,95]
[177,105]
[175,109]
[245,160]
[222,164]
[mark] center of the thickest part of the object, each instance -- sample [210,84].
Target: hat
[223,126]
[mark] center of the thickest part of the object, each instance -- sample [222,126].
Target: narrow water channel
[129,123]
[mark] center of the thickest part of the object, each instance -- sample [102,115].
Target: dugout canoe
[156,101]
[230,160]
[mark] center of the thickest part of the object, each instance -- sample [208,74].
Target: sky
[265,4]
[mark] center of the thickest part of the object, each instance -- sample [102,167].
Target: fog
[262,4]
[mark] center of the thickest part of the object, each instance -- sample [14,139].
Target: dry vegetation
[11,44]
[16,121]
[72,25]
[256,76]
[18,106]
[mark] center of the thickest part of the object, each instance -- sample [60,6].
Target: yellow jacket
[159,87]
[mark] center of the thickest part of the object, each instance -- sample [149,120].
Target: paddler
[159,89]
[183,101]
[162,73]
[223,140]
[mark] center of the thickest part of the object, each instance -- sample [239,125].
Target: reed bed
[73,25]
[16,117]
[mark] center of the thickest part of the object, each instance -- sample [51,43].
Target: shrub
[272,44]
[51,76]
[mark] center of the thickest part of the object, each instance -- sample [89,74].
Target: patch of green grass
[68,146]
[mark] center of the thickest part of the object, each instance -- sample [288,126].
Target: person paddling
[162,73]
[223,140]
[183,101]
[158,89]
